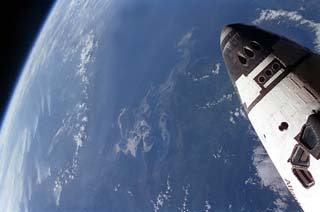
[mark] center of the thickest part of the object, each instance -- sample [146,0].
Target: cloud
[269,177]
[228,97]
[185,206]
[75,123]
[237,114]
[267,172]
[131,137]
[13,189]
[207,206]
[186,39]
[216,70]
[154,104]
[162,197]
[293,16]
[280,204]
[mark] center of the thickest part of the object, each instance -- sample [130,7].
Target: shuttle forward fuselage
[278,84]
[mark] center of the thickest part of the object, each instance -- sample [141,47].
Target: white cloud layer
[269,177]
[163,197]
[292,16]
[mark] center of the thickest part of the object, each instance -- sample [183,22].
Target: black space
[21,22]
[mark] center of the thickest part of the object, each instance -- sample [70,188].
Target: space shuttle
[278,82]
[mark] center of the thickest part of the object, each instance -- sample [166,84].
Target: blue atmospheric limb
[126,106]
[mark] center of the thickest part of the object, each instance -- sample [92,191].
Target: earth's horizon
[127,106]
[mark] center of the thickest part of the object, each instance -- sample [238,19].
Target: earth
[127,106]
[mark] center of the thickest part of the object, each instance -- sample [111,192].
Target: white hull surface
[279,87]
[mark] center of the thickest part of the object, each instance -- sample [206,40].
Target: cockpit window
[255,45]
[299,157]
[248,52]
[304,176]
[242,59]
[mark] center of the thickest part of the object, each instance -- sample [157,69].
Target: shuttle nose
[256,60]
[244,47]
[225,31]
[228,30]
